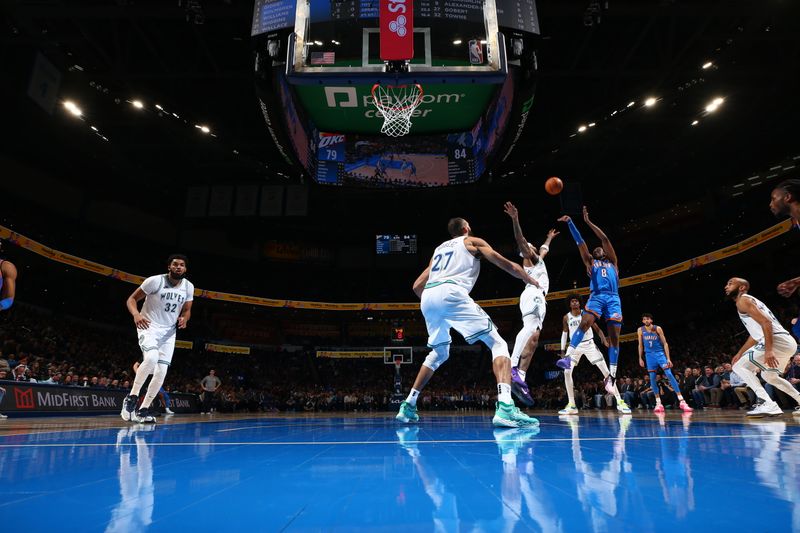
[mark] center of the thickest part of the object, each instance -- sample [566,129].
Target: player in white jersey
[768,349]
[532,305]
[444,288]
[587,347]
[167,308]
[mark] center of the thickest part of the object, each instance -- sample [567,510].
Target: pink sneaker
[659,409]
[685,408]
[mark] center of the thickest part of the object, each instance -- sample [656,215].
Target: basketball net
[397,104]
[398,362]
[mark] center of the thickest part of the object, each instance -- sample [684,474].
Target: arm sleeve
[563,340]
[575,233]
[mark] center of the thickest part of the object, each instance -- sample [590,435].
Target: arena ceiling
[193,59]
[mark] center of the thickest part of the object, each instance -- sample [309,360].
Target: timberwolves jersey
[651,341]
[604,277]
[452,263]
[573,322]
[163,302]
[539,273]
[753,327]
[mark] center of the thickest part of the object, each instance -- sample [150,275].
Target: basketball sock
[752,381]
[159,374]
[523,337]
[613,355]
[570,386]
[521,373]
[577,338]
[504,393]
[412,397]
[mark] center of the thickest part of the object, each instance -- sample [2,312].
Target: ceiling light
[72,108]
[457,41]
[592,124]
[581,129]
[159,107]
[695,122]
[93,128]
[631,104]
[707,65]
[137,104]
[204,129]
[650,102]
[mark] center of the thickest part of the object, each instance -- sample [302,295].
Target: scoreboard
[271,15]
[395,244]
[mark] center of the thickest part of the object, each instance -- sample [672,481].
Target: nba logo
[475,52]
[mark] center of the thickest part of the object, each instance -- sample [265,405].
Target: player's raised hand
[787,288]
[565,218]
[510,210]
[585,215]
[552,234]
[140,321]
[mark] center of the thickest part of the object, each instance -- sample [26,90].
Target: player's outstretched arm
[498,260]
[582,248]
[133,308]
[422,279]
[787,288]
[9,278]
[522,242]
[609,249]
[544,249]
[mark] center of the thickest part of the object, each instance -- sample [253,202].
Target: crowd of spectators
[36,345]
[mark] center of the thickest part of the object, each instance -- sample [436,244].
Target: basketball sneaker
[769,408]
[143,416]
[564,363]
[3,417]
[685,407]
[570,409]
[520,389]
[169,411]
[623,408]
[659,409]
[796,411]
[609,383]
[509,416]
[407,413]
[128,406]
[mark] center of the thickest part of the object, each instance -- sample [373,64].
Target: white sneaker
[570,409]
[796,411]
[2,416]
[766,409]
[169,411]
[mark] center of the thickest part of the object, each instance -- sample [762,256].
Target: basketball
[553,185]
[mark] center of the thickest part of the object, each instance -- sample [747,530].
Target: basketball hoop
[397,104]
[398,361]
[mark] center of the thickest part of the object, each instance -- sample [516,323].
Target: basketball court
[451,472]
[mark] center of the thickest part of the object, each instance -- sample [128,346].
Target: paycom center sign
[351,109]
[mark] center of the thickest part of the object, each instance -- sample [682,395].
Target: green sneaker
[509,416]
[623,408]
[407,413]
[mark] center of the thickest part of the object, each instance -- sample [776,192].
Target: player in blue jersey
[602,268]
[653,346]
[8,284]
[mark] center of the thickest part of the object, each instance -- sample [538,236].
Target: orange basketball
[553,185]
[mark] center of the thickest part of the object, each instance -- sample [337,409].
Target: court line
[381,442]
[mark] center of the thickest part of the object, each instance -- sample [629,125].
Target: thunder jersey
[452,263]
[573,322]
[603,277]
[163,302]
[539,273]
[651,341]
[753,327]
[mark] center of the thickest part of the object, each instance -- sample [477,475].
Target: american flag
[323,58]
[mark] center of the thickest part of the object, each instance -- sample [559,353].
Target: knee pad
[496,344]
[437,356]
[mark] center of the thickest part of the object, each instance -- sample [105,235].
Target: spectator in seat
[707,389]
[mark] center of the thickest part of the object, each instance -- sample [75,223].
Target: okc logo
[398,26]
